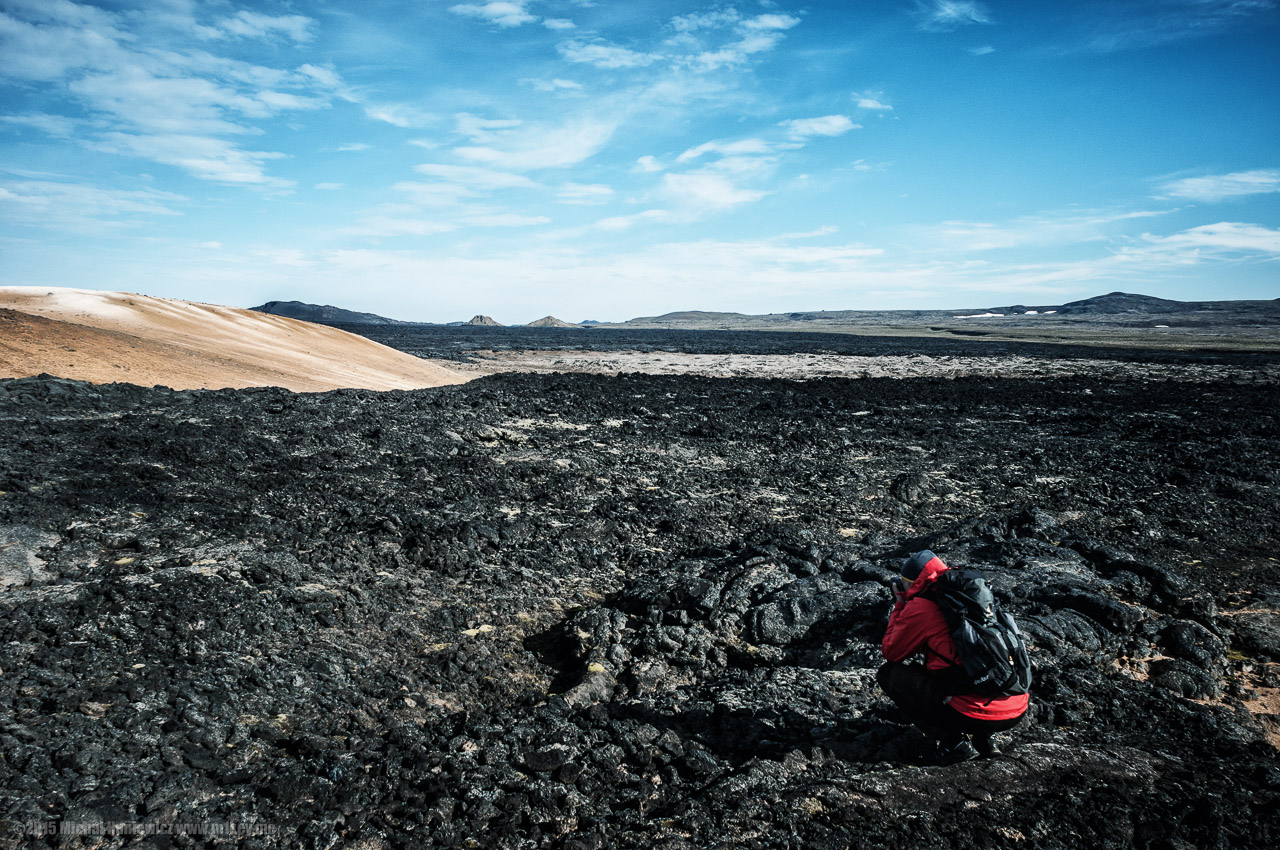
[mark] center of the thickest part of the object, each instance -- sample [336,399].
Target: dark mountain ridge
[323,313]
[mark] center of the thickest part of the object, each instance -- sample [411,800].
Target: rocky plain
[589,607]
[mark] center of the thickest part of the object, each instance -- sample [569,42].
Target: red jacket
[918,625]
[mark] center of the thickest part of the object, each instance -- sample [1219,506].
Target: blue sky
[603,160]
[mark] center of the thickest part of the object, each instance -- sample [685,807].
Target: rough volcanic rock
[637,611]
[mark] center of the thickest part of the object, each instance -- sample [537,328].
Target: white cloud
[648,164]
[827,125]
[81,207]
[608,56]
[439,194]
[944,15]
[873,101]
[483,129]
[148,101]
[396,220]
[755,35]
[521,147]
[1044,229]
[353,146]
[328,187]
[625,222]
[205,157]
[705,20]
[54,125]
[399,115]
[1223,238]
[475,178]
[585,193]
[553,85]
[49,40]
[253,25]
[1134,26]
[1221,187]
[710,191]
[981,51]
[499,12]
[735,148]
[558,24]
[505,220]
[770,22]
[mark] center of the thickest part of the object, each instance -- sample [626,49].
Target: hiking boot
[986,746]
[955,753]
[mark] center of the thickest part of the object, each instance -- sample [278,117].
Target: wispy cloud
[400,115]
[585,193]
[504,219]
[80,207]
[625,222]
[1225,238]
[708,191]
[604,55]
[475,178]
[946,15]
[1041,230]
[512,145]
[754,35]
[873,101]
[502,13]
[1147,23]
[53,125]
[1221,187]
[205,157]
[553,85]
[254,25]
[705,20]
[737,147]
[826,125]
[177,107]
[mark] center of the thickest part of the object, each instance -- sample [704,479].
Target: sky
[608,159]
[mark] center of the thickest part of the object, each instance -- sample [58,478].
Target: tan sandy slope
[115,336]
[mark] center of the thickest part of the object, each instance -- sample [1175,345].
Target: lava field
[587,611]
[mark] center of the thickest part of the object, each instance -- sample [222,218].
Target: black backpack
[993,656]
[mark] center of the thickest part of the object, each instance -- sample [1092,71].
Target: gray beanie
[912,566]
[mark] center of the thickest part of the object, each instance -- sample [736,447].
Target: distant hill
[551,322]
[486,321]
[1111,309]
[323,313]
[1123,302]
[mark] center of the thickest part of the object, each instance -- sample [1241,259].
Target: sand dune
[115,336]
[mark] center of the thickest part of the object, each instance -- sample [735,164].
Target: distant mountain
[1114,308]
[487,321]
[551,322]
[1123,302]
[323,313]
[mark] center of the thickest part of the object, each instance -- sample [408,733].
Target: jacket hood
[928,576]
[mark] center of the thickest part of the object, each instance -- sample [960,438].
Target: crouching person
[963,724]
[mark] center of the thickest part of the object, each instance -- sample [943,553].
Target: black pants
[918,697]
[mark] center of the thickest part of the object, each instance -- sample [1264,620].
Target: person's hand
[899,590]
